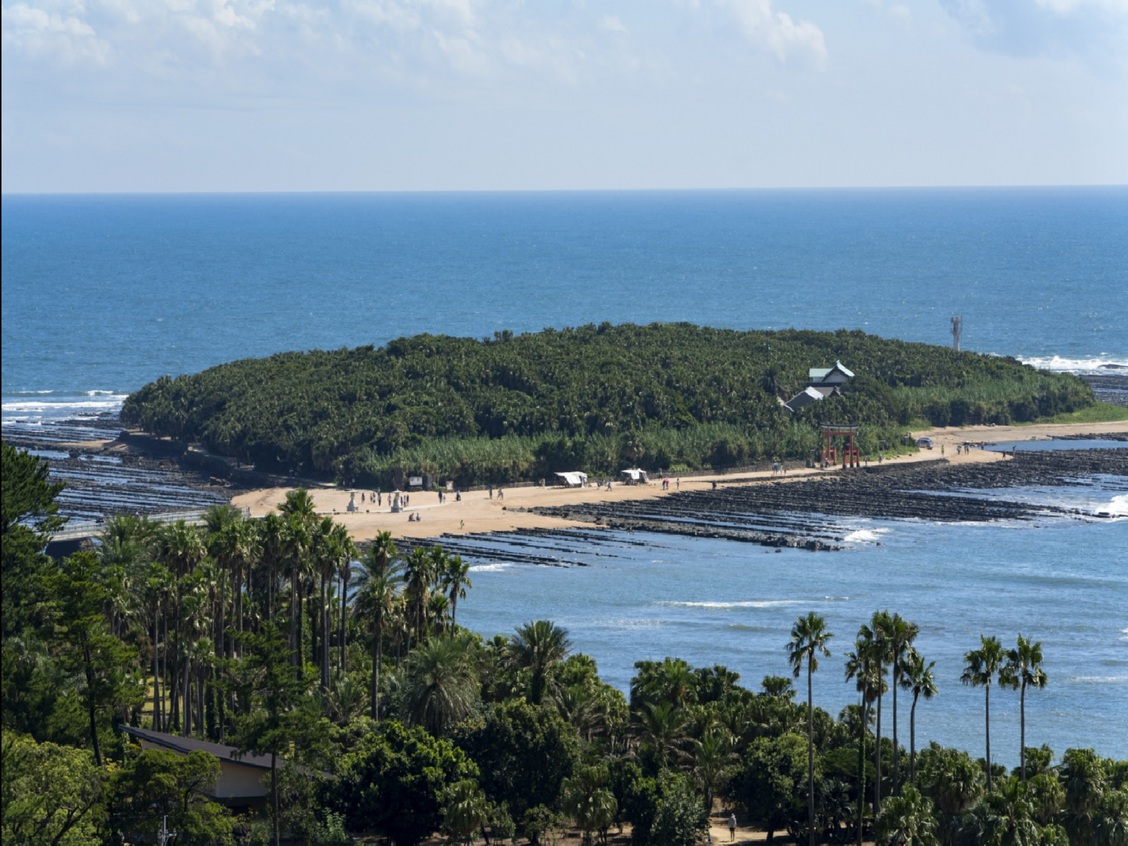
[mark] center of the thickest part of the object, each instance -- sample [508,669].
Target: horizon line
[656,190]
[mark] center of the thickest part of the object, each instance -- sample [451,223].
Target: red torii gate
[851,455]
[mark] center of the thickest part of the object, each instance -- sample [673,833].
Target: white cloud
[1066,7]
[786,38]
[46,35]
[612,23]
[1094,30]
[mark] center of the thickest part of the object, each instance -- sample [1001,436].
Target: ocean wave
[496,567]
[866,535]
[630,623]
[56,404]
[748,603]
[1118,507]
[1103,364]
[90,406]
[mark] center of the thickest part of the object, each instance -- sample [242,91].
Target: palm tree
[234,544]
[455,577]
[538,647]
[155,589]
[332,546]
[809,636]
[586,796]
[874,637]
[1023,669]
[379,576]
[442,684]
[714,761]
[864,666]
[907,819]
[672,681]
[898,636]
[419,576]
[465,810]
[180,548]
[920,681]
[980,668]
[271,544]
[297,537]
[1005,815]
[663,731]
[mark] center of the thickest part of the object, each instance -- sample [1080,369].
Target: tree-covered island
[599,398]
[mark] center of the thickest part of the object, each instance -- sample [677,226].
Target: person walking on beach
[732,827]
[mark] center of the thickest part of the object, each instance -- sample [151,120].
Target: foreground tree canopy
[382,718]
[595,398]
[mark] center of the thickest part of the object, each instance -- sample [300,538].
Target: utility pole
[164,835]
[957,327]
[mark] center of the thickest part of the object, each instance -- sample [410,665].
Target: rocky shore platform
[808,513]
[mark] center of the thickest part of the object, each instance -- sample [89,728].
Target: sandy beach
[507,509]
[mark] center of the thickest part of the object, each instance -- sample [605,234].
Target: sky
[114,96]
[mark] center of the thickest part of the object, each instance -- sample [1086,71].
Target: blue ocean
[102,294]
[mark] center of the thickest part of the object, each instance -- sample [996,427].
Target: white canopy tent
[572,479]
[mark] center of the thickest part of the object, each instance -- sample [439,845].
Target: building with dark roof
[241,774]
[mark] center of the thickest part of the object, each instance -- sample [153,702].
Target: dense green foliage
[596,398]
[246,633]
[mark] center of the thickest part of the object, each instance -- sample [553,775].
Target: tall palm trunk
[987,728]
[156,669]
[896,747]
[912,743]
[174,704]
[164,678]
[237,601]
[324,630]
[186,696]
[810,756]
[344,613]
[877,757]
[862,771]
[377,660]
[295,616]
[1022,727]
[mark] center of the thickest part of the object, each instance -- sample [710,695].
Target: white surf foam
[866,535]
[750,603]
[496,567]
[1119,506]
[110,403]
[1100,364]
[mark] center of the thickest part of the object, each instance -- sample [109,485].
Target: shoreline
[480,513]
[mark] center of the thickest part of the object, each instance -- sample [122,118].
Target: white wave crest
[750,603]
[111,402]
[866,535]
[1100,364]
[496,567]
[1119,506]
